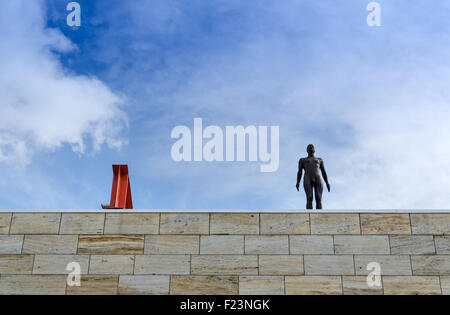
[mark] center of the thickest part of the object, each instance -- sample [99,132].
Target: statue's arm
[299,173]
[324,174]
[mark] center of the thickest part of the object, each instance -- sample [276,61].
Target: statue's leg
[309,194]
[318,190]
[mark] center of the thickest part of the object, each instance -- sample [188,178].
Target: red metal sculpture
[121,191]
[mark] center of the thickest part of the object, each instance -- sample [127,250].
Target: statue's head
[310,149]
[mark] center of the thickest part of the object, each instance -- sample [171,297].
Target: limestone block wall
[224,253]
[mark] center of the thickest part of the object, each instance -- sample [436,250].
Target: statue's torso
[311,165]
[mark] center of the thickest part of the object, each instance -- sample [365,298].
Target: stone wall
[214,253]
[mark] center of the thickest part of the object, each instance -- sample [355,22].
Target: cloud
[43,105]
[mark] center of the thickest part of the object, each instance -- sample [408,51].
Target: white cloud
[13,149]
[42,105]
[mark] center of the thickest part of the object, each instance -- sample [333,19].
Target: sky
[75,100]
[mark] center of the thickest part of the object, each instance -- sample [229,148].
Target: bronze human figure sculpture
[312,180]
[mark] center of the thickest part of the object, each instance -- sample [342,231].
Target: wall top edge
[229,211]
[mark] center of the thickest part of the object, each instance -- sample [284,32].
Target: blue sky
[374,101]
